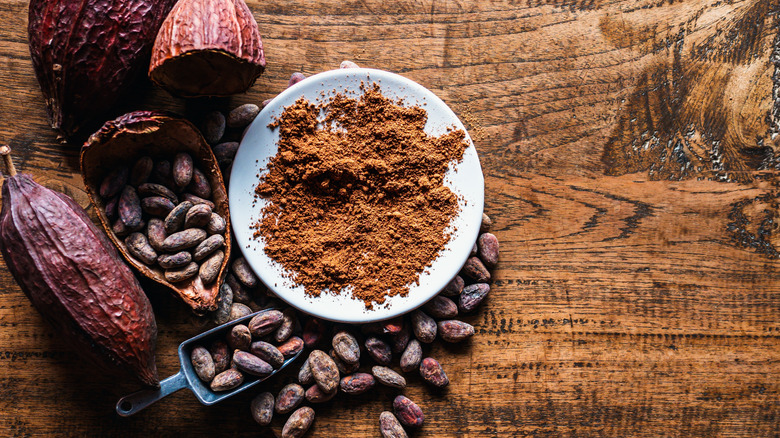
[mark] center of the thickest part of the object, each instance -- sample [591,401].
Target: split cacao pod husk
[87,52]
[207,48]
[75,278]
[160,136]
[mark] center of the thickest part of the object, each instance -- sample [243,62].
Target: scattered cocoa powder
[359,204]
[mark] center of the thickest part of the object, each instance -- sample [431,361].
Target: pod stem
[5,151]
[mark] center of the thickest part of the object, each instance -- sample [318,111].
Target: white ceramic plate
[259,145]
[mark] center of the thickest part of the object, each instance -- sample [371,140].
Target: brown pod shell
[74,277]
[87,53]
[160,136]
[207,48]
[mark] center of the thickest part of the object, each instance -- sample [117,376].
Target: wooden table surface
[628,149]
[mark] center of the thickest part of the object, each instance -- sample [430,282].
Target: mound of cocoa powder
[360,203]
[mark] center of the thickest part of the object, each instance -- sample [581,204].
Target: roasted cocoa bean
[120,229]
[263,408]
[155,231]
[139,247]
[267,352]
[388,377]
[400,340]
[299,422]
[242,115]
[393,326]
[379,350]
[244,273]
[227,380]
[291,347]
[216,225]
[113,183]
[441,307]
[220,354]
[203,364]
[313,332]
[412,356]
[285,329]
[324,370]
[486,224]
[240,293]
[251,364]
[357,383]
[199,185]
[343,367]
[239,338]
[209,269]
[488,250]
[390,427]
[476,270]
[432,372]
[346,347]
[239,310]
[423,326]
[213,127]
[182,169]
[225,152]
[181,274]
[295,78]
[198,216]
[173,261]
[188,238]
[157,206]
[151,189]
[315,394]
[196,199]
[289,398]
[454,287]
[265,323]
[174,221]
[224,303]
[111,206]
[162,174]
[305,377]
[455,331]
[130,208]
[142,170]
[472,296]
[407,412]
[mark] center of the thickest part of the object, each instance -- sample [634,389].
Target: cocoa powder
[358,202]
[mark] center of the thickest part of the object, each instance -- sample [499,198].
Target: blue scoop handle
[130,404]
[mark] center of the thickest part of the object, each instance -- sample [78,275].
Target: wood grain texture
[629,148]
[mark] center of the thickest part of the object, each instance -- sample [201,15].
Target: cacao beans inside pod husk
[87,52]
[160,136]
[207,48]
[75,278]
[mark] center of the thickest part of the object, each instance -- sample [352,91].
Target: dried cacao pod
[207,48]
[87,52]
[160,136]
[75,278]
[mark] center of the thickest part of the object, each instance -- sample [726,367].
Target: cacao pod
[86,53]
[74,277]
[160,136]
[207,48]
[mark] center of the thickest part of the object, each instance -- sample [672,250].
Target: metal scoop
[186,377]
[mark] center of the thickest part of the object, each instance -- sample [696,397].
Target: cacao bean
[343,367]
[441,307]
[348,64]
[113,183]
[139,247]
[110,207]
[157,206]
[388,377]
[196,200]
[224,304]
[324,370]
[203,364]
[130,208]
[346,347]
[424,326]
[268,353]
[181,274]
[488,250]
[216,225]
[242,115]
[412,356]
[244,273]
[141,172]
[285,329]
[120,229]
[199,185]
[484,227]
[220,354]
[162,174]
[295,78]
[155,231]
[315,394]
[357,383]
[455,331]
[209,270]
[263,408]
[432,372]
[313,332]
[379,350]
[174,221]
[225,152]
[454,287]
[299,422]
[182,169]
[291,347]
[227,380]
[240,293]
[393,326]
[289,398]
[198,216]
[213,127]
[239,310]
[401,339]
[188,238]
[172,261]
[151,189]
[239,337]
[474,250]
[251,364]
[389,426]
[475,269]
[208,246]
[472,296]
[407,412]
[265,323]
[305,376]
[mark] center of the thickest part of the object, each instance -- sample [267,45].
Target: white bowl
[259,145]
